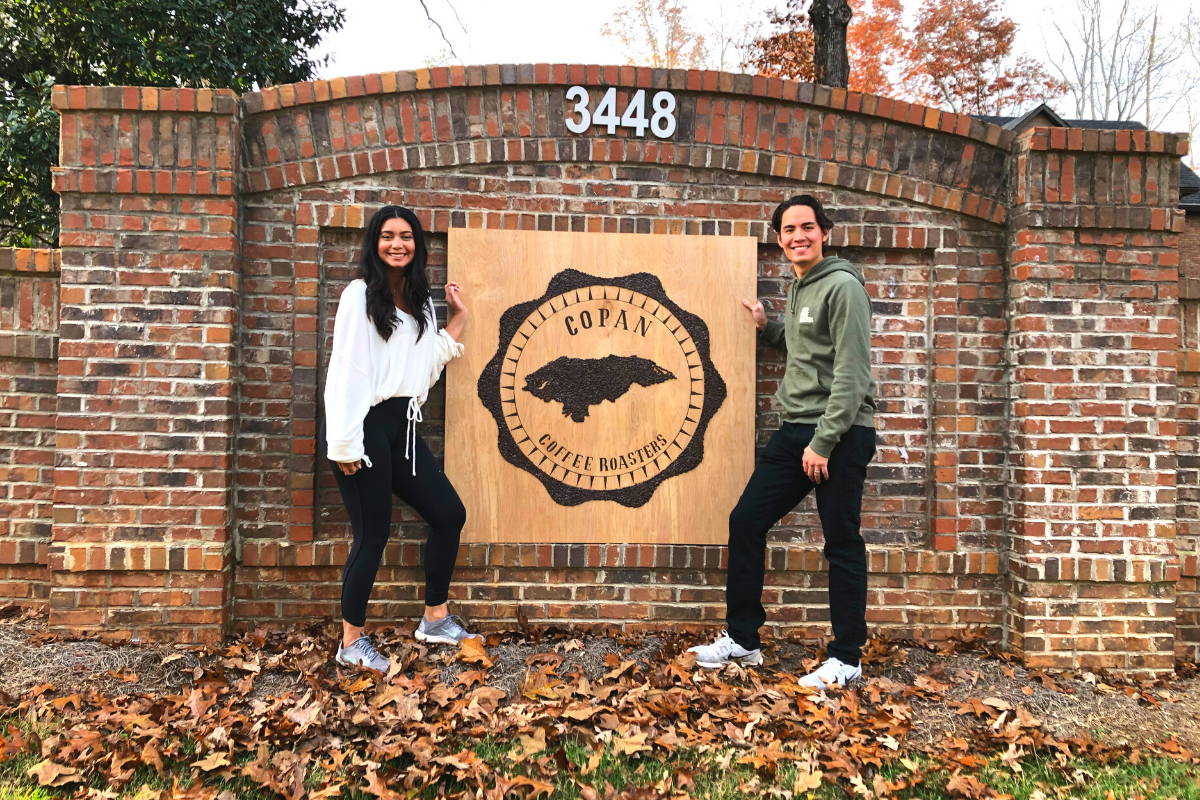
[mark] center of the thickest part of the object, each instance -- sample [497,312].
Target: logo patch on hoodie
[805,315]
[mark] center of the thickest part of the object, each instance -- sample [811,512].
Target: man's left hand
[815,467]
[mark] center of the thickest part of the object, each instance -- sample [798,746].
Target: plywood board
[607,389]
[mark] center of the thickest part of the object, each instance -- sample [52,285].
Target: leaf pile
[270,711]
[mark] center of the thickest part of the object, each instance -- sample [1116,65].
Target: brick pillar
[1187,595]
[1093,344]
[141,540]
[28,345]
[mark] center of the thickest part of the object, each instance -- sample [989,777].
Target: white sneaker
[832,673]
[724,651]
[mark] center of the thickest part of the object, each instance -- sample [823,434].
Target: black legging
[368,498]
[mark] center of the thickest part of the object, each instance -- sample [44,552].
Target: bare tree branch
[437,25]
[1118,62]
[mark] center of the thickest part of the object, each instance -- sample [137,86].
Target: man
[825,442]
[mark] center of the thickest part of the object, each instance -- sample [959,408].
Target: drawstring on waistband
[410,433]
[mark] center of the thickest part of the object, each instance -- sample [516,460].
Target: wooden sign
[607,389]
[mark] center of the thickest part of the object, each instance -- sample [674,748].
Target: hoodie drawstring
[410,433]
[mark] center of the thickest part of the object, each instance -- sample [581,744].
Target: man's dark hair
[823,220]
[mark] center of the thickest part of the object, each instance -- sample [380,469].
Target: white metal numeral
[606,112]
[663,121]
[635,113]
[580,96]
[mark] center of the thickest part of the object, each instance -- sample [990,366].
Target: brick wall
[1094,343]
[289,565]
[1025,355]
[1187,591]
[149,286]
[28,352]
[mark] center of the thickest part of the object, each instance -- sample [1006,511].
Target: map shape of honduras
[580,383]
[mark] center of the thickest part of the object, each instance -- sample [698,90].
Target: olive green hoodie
[827,333]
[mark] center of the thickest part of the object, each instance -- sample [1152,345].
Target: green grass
[14,785]
[1153,778]
[12,791]
[1080,779]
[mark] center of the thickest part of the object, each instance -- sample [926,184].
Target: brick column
[1187,595]
[141,540]
[28,344]
[1094,335]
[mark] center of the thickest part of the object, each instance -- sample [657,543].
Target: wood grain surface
[609,444]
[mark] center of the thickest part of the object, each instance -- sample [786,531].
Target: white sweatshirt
[365,370]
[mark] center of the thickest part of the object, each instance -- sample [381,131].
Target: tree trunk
[829,20]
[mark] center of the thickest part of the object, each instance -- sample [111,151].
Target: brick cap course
[1102,141]
[353,215]
[30,259]
[807,558]
[1097,569]
[127,180]
[681,80]
[1088,216]
[28,344]
[122,557]
[144,98]
[22,552]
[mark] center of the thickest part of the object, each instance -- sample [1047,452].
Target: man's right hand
[755,307]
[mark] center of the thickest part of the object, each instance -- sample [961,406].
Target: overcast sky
[384,35]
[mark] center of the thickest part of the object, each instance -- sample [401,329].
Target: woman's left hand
[454,301]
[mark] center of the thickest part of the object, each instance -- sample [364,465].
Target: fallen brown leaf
[472,651]
[212,761]
[49,773]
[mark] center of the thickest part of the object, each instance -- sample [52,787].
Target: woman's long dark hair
[381,306]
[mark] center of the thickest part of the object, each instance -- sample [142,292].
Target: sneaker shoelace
[725,644]
[829,672]
[366,649]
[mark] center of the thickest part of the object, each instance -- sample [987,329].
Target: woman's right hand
[454,301]
[349,467]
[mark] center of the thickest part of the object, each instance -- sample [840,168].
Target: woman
[387,353]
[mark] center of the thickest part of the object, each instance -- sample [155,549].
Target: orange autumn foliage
[960,57]
[955,54]
[875,43]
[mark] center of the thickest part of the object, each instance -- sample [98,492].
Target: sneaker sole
[748,661]
[834,685]
[342,663]
[425,637]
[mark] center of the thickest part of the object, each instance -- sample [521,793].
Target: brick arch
[315,133]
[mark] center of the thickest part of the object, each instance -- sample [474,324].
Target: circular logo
[602,388]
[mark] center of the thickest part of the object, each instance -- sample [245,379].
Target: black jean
[368,498]
[777,485]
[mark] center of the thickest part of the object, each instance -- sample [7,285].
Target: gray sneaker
[448,630]
[361,653]
[724,651]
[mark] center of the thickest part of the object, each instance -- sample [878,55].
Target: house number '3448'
[661,121]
